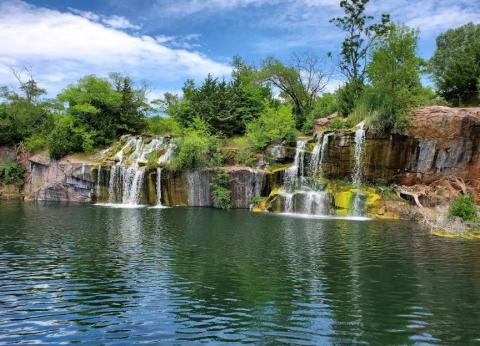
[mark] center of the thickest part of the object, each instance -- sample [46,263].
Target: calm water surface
[94,275]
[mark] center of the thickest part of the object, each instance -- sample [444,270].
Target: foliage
[22,115]
[11,173]
[300,83]
[66,138]
[220,191]
[348,96]
[197,148]
[225,107]
[394,74]
[464,207]
[106,109]
[337,123]
[456,65]
[324,106]
[273,125]
[246,156]
[158,125]
[361,34]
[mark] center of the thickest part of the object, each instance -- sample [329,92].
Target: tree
[456,65]
[300,83]
[225,106]
[105,110]
[273,125]
[394,74]
[361,34]
[23,114]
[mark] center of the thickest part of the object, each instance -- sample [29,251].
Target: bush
[163,126]
[66,139]
[197,148]
[11,173]
[273,125]
[337,123]
[220,191]
[324,106]
[463,207]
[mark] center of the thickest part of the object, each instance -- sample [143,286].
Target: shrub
[220,191]
[324,106]
[66,139]
[163,126]
[197,148]
[11,173]
[273,125]
[337,123]
[464,207]
[36,142]
[246,156]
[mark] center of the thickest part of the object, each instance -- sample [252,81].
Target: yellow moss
[343,199]
[342,212]
[451,235]
[372,196]
[275,191]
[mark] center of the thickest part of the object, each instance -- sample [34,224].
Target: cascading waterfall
[295,173]
[319,154]
[159,187]
[98,189]
[127,176]
[357,176]
[309,201]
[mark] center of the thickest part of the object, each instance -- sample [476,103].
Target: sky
[162,43]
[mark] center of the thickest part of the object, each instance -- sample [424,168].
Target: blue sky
[165,42]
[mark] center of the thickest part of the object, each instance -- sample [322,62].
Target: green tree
[299,83]
[361,35]
[106,110]
[225,107]
[273,125]
[23,114]
[394,73]
[67,138]
[456,65]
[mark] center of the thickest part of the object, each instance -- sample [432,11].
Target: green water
[95,275]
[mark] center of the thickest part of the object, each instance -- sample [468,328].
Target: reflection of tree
[234,262]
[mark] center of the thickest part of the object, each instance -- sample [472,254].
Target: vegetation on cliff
[260,104]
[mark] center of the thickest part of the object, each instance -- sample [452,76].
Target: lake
[86,274]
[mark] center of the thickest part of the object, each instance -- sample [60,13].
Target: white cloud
[119,22]
[63,46]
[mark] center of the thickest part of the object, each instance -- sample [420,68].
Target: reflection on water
[84,274]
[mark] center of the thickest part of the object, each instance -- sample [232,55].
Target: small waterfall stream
[319,154]
[357,176]
[310,201]
[127,176]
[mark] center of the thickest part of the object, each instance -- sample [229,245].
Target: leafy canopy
[456,65]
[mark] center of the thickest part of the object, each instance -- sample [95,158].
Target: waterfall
[127,176]
[299,197]
[319,154]
[83,171]
[99,177]
[132,183]
[289,203]
[159,187]
[357,176]
[297,170]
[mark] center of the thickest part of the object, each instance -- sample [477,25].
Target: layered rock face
[63,180]
[443,141]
